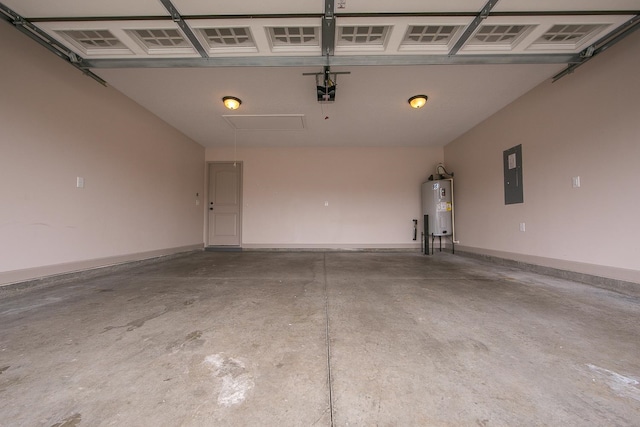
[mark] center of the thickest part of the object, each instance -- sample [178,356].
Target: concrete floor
[312,338]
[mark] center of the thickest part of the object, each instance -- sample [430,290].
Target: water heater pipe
[453,216]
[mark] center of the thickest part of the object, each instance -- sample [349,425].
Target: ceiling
[178,58]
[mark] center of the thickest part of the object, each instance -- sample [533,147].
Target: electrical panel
[437,205]
[512,160]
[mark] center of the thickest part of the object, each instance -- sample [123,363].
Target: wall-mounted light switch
[575,182]
[326,203]
[79,182]
[522,227]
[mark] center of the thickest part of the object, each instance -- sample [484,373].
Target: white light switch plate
[575,182]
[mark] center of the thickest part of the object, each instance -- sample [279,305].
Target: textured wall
[586,124]
[141,176]
[373,194]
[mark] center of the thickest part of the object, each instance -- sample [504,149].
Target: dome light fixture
[231,102]
[418,101]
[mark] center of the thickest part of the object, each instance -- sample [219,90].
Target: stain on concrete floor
[72,421]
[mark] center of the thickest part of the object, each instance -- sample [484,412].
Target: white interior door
[224,204]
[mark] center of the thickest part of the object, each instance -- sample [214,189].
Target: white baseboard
[597,271]
[17,276]
[330,246]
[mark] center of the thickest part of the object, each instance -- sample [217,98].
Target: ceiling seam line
[336,14]
[169,17]
[568,13]
[98,18]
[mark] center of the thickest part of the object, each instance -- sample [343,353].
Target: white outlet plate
[523,227]
[79,182]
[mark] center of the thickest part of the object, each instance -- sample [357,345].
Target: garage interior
[123,303]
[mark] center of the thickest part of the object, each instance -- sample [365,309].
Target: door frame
[207,194]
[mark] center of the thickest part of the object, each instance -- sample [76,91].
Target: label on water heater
[442,207]
[436,185]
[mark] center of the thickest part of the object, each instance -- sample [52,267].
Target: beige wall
[141,175]
[586,124]
[373,195]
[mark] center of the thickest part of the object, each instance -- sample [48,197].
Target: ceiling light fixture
[418,101]
[231,102]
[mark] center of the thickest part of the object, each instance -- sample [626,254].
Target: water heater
[437,207]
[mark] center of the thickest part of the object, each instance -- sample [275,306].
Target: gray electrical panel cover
[512,161]
[437,203]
